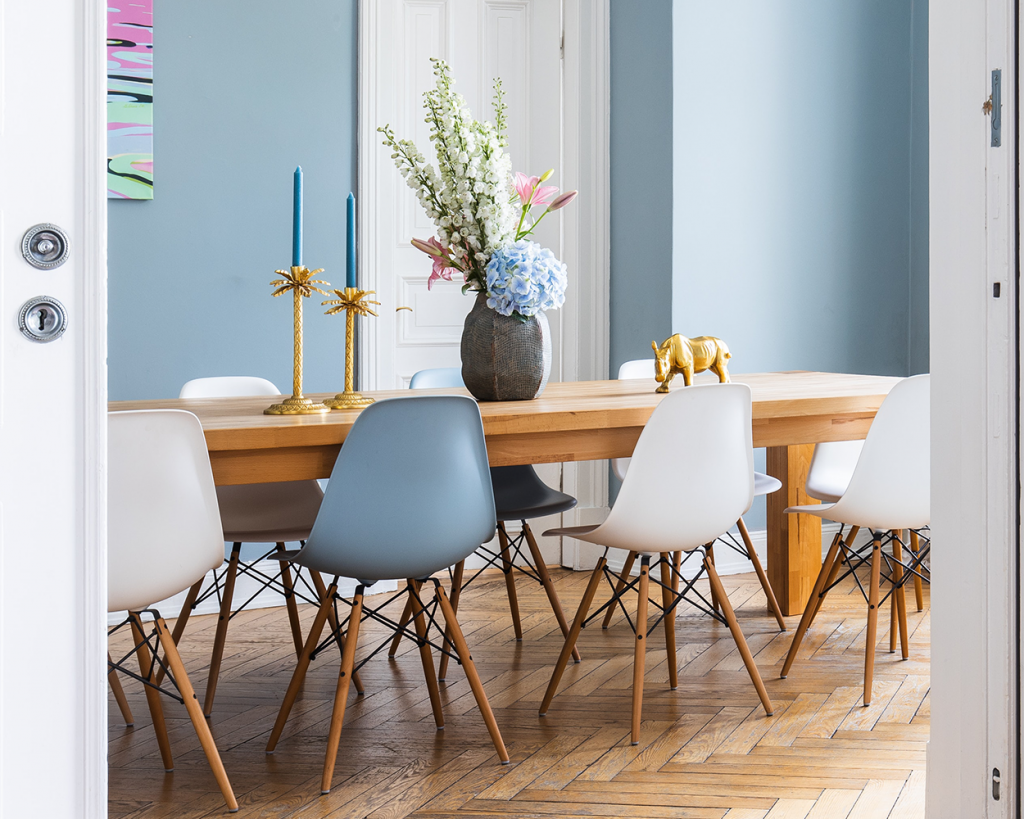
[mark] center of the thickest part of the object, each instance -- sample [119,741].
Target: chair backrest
[227,386]
[410,493]
[436,378]
[692,472]
[891,485]
[831,468]
[638,368]
[164,530]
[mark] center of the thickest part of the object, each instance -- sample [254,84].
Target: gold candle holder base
[348,400]
[297,406]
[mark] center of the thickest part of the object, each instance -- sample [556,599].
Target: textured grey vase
[503,358]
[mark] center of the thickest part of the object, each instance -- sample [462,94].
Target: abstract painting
[130,99]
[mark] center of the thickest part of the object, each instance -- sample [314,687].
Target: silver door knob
[45,246]
[43,319]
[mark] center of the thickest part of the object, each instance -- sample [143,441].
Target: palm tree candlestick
[353,301]
[299,280]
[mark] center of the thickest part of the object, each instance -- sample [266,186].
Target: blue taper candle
[350,270]
[297,219]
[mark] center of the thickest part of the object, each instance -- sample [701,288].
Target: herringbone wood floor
[707,749]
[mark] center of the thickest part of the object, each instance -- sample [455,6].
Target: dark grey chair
[410,495]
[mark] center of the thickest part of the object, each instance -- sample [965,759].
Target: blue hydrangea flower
[525,278]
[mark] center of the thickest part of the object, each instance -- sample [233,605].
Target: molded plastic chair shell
[164,531]
[694,463]
[410,493]
[831,468]
[266,512]
[437,378]
[880,496]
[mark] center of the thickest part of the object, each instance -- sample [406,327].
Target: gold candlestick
[299,280]
[354,302]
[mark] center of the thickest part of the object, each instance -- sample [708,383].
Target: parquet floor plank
[707,750]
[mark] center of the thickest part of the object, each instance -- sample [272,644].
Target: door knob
[45,246]
[43,319]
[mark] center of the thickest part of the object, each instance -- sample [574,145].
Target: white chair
[164,535]
[763,485]
[690,479]
[886,501]
[275,513]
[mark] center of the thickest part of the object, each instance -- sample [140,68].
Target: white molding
[367,180]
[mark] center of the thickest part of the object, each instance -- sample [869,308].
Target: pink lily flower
[543,196]
[525,186]
[434,249]
[563,200]
[443,265]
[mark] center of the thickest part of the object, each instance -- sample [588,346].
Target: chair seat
[269,512]
[828,511]
[520,494]
[765,484]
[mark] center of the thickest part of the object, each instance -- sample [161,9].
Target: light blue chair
[519,494]
[410,495]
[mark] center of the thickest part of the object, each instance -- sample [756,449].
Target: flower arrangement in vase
[485,217]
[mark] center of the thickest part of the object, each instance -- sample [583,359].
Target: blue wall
[235,111]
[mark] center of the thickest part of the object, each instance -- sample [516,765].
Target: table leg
[794,541]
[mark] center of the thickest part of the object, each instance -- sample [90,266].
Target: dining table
[575,421]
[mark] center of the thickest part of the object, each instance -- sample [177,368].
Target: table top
[788,408]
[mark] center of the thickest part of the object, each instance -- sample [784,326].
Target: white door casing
[53,729]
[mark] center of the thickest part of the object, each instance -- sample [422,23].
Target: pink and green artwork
[130,99]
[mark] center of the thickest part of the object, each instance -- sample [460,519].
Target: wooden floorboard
[706,749]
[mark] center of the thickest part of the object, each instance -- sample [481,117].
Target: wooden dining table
[575,421]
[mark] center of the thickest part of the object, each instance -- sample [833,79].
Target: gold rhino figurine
[680,354]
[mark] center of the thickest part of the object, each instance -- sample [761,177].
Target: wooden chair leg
[549,587]
[222,628]
[715,603]
[872,632]
[195,714]
[574,633]
[119,697]
[403,621]
[915,547]
[348,660]
[182,621]
[332,621]
[900,597]
[620,584]
[640,649]
[894,623]
[474,679]
[326,605]
[670,621]
[156,708]
[510,581]
[773,604]
[290,603]
[419,621]
[813,604]
[460,567]
[737,636]
[836,566]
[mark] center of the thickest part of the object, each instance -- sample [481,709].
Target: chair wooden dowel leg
[182,621]
[872,631]
[290,602]
[837,565]
[574,633]
[915,547]
[773,604]
[640,649]
[456,595]
[222,628]
[195,713]
[403,621]
[740,640]
[620,584]
[474,679]
[348,661]
[813,604]
[549,587]
[332,621]
[715,603]
[326,605]
[156,708]
[894,623]
[900,597]
[419,621]
[510,581]
[670,621]
[119,697]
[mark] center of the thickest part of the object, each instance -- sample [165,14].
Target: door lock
[45,246]
[43,319]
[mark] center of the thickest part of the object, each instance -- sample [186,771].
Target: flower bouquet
[484,217]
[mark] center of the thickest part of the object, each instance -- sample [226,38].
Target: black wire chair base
[152,642]
[507,564]
[854,557]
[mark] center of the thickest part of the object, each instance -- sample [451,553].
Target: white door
[516,40]
[52,414]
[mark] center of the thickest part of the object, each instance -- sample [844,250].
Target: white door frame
[585,325]
[973,221]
